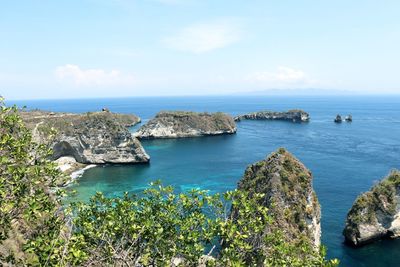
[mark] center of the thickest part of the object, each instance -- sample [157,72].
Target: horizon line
[344,93]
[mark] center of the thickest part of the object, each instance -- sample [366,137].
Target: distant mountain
[300,91]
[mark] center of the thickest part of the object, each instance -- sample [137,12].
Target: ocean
[346,159]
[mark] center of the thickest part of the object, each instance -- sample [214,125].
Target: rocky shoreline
[295,115]
[90,138]
[80,141]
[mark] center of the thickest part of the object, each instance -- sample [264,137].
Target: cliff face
[375,214]
[90,138]
[291,115]
[176,124]
[289,195]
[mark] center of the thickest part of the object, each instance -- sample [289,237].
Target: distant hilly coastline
[299,91]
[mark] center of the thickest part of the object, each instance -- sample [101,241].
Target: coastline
[214,164]
[78,173]
[71,169]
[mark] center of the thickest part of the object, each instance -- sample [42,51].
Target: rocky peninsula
[375,214]
[295,115]
[289,195]
[88,138]
[178,124]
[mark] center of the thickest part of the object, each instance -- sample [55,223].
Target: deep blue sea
[346,159]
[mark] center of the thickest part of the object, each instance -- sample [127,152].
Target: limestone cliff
[176,124]
[375,214]
[90,138]
[295,115]
[289,195]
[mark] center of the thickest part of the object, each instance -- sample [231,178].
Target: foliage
[148,230]
[207,122]
[159,228]
[382,196]
[30,224]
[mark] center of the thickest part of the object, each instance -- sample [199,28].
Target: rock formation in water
[289,195]
[295,115]
[375,214]
[338,119]
[176,124]
[90,138]
[348,118]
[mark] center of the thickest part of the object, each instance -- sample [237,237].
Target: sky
[120,48]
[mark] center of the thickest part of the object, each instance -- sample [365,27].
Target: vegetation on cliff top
[156,229]
[289,196]
[167,124]
[90,138]
[382,197]
[205,121]
[70,123]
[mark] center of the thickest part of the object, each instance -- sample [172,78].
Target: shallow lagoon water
[346,159]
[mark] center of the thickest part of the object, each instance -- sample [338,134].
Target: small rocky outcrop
[348,118]
[289,195]
[90,138]
[295,115]
[338,119]
[375,214]
[177,124]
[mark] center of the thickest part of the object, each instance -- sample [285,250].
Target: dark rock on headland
[375,214]
[295,115]
[89,138]
[176,124]
[289,195]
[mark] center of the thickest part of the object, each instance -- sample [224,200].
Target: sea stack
[348,118]
[289,195]
[294,115]
[178,124]
[338,119]
[375,214]
[89,138]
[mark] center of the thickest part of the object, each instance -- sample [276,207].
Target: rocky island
[88,138]
[375,214]
[338,119]
[295,115]
[289,195]
[177,124]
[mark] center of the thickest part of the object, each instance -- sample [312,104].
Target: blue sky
[115,48]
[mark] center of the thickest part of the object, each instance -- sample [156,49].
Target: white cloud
[282,75]
[92,77]
[204,37]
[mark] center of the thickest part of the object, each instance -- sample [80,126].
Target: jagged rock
[295,115]
[338,119]
[176,124]
[375,214]
[348,118]
[90,138]
[289,195]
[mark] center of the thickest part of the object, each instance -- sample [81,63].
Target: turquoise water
[346,159]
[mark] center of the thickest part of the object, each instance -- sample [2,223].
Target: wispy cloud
[204,37]
[281,75]
[92,77]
